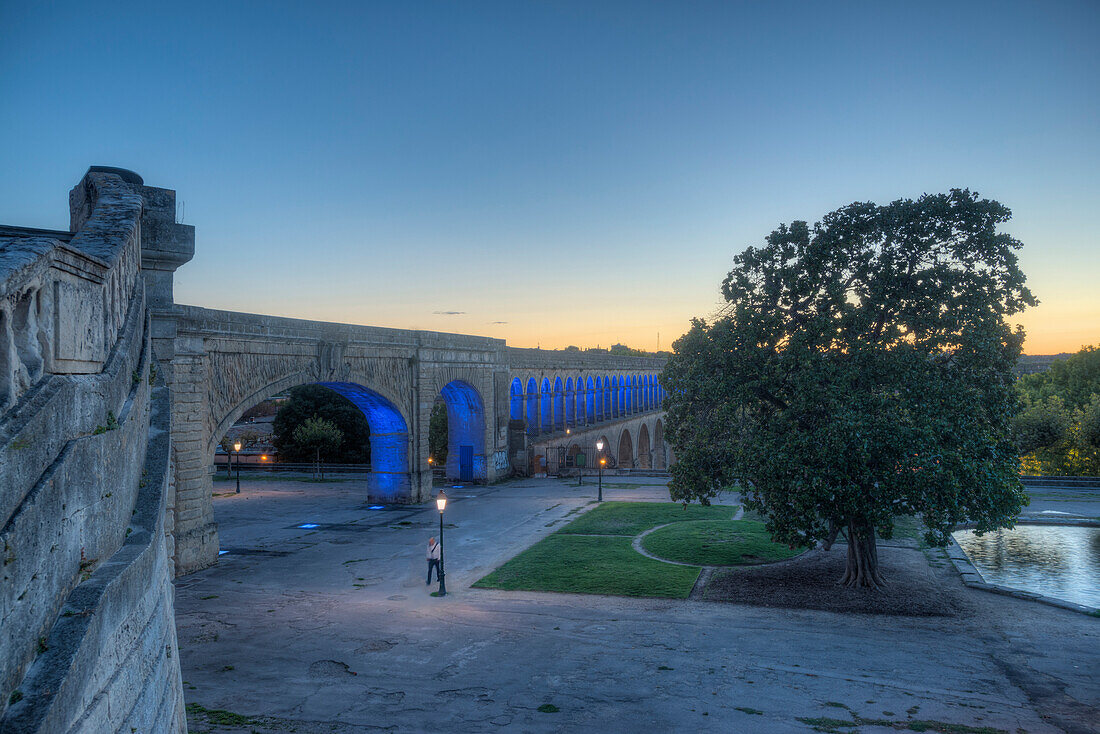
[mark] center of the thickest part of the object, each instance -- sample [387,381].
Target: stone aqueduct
[113,397]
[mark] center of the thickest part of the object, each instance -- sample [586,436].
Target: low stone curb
[974,579]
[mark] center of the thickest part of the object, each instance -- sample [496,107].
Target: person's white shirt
[434,551]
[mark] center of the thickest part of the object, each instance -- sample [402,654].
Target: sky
[552,173]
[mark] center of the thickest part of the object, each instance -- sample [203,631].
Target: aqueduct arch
[644,455]
[625,453]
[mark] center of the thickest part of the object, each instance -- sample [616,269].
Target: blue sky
[584,172]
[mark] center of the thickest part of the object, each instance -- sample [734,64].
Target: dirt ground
[916,587]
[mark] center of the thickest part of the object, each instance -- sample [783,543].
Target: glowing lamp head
[263,457]
[430,460]
[599,445]
[237,446]
[568,431]
[441,500]
[603,462]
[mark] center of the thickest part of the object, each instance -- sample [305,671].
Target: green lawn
[631,518]
[591,565]
[717,543]
[570,561]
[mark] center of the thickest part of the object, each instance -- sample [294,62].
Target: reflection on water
[1053,560]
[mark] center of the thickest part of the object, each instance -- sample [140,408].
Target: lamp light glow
[236,445]
[599,445]
[441,501]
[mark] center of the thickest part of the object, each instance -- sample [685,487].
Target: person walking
[435,551]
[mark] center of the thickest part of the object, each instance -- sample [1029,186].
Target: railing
[1062,482]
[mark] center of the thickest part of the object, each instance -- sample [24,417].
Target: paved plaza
[332,629]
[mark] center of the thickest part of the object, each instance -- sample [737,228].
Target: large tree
[862,370]
[320,436]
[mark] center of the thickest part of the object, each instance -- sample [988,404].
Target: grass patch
[591,565]
[837,726]
[221,717]
[548,708]
[631,518]
[717,543]
[747,710]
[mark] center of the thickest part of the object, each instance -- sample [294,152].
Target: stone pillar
[196,534]
[165,246]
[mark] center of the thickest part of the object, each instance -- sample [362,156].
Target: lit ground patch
[716,543]
[591,565]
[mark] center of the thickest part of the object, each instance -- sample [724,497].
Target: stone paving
[332,629]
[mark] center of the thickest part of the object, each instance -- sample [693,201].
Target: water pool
[1054,560]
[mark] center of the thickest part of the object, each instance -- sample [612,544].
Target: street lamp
[441,503]
[599,450]
[237,449]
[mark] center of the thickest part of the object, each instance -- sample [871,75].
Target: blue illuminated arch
[589,401]
[465,427]
[389,440]
[559,406]
[614,396]
[606,397]
[516,400]
[547,407]
[532,407]
[570,403]
[578,398]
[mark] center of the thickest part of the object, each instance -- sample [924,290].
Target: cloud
[498,322]
[449,313]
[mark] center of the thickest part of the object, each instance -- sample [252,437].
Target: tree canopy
[307,401]
[1074,381]
[862,370]
[1058,431]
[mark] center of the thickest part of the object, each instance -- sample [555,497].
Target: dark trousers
[433,563]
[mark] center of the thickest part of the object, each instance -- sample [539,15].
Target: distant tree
[624,350]
[307,401]
[572,348]
[1060,415]
[437,434]
[1073,380]
[228,443]
[863,370]
[1040,426]
[1090,425]
[320,436]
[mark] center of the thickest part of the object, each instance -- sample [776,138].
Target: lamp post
[441,503]
[237,450]
[599,455]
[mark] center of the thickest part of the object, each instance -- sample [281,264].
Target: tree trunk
[862,569]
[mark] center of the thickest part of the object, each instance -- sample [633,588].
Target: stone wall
[86,607]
